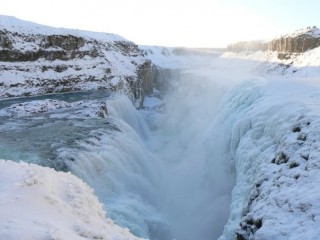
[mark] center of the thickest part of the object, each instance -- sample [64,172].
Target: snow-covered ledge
[40,203]
[275,144]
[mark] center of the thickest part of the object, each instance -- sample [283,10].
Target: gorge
[217,150]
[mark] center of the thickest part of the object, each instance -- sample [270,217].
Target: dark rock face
[293,43]
[4,40]
[297,44]
[145,73]
[34,63]
[164,77]
[67,43]
[247,46]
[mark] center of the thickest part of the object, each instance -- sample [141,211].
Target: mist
[165,174]
[191,141]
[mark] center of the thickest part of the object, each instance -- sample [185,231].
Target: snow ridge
[275,147]
[16,25]
[53,205]
[309,31]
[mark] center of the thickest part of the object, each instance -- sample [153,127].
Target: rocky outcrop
[164,78]
[146,74]
[51,47]
[36,59]
[298,42]
[247,46]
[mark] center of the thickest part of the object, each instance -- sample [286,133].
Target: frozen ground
[40,203]
[275,147]
[273,119]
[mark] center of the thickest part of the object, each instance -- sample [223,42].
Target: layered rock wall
[36,59]
[298,42]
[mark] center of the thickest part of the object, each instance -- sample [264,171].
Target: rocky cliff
[247,46]
[36,59]
[297,42]
[300,41]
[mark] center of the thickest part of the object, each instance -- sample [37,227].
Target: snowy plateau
[104,139]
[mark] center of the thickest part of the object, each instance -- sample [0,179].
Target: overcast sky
[191,23]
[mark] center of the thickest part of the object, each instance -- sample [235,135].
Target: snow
[310,31]
[305,64]
[33,108]
[167,57]
[16,76]
[14,24]
[273,119]
[273,122]
[283,195]
[40,203]
[105,61]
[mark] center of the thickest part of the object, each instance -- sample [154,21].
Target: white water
[169,174]
[173,182]
[191,143]
[164,174]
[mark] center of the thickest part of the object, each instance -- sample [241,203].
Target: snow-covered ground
[267,63]
[177,58]
[40,203]
[13,24]
[274,128]
[273,120]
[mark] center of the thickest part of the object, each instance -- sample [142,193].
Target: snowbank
[275,145]
[40,203]
[177,58]
[304,65]
[58,109]
[13,24]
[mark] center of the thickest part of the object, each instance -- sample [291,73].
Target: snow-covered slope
[40,203]
[274,128]
[177,58]
[273,122]
[309,31]
[13,24]
[267,63]
[36,59]
[297,42]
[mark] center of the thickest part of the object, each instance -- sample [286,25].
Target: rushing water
[172,180]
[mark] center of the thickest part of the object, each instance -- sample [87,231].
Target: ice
[270,158]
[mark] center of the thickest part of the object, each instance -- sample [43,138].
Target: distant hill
[297,42]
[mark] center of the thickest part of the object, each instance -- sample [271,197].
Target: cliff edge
[297,42]
[37,59]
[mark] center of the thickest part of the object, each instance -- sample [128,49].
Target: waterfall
[173,181]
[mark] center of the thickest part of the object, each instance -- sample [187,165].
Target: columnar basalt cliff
[298,42]
[248,46]
[36,59]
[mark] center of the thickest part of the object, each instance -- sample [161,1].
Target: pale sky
[189,23]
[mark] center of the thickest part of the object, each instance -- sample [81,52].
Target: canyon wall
[297,42]
[36,60]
